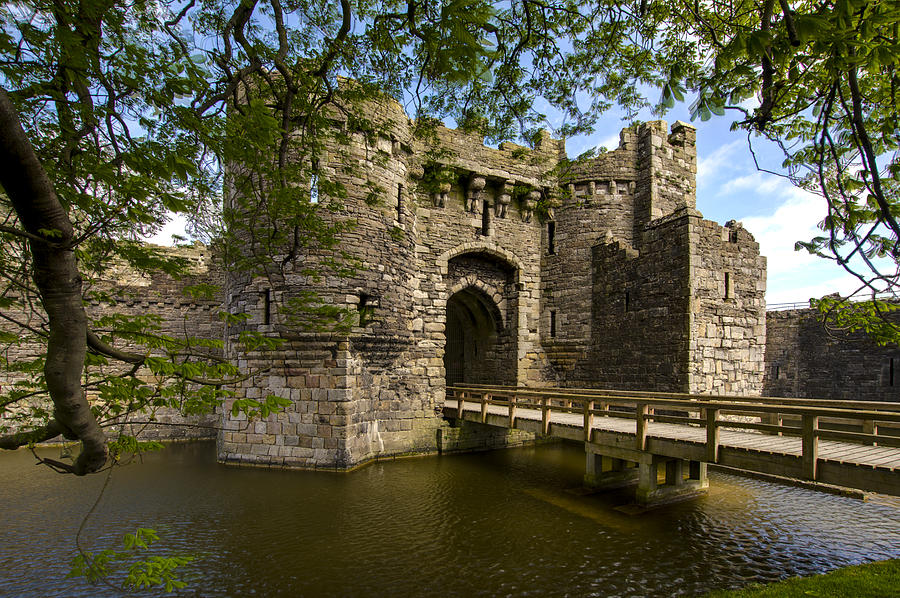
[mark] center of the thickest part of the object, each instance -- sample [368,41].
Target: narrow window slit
[552,323]
[314,188]
[551,237]
[366,308]
[266,297]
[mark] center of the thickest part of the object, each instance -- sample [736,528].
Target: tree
[822,80]
[113,114]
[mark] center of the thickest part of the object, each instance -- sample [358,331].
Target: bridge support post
[698,472]
[676,486]
[603,472]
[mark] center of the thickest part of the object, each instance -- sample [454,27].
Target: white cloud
[721,160]
[610,143]
[795,219]
[175,225]
[756,181]
[793,276]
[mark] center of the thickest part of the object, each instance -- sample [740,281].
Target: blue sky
[729,187]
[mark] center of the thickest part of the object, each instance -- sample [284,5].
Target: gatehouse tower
[498,265]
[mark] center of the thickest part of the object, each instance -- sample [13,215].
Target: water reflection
[507,523]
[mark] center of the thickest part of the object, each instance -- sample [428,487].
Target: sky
[729,187]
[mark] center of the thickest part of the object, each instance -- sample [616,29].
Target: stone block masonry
[805,360]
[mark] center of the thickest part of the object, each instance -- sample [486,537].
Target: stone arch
[495,301]
[482,314]
[483,247]
[478,348]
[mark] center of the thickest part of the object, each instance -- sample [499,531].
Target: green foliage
[397,234]
[435,175]
[870,580]
[307,312]
[139,573]
[130,445]
[876,318]
[822,81]
[254,409]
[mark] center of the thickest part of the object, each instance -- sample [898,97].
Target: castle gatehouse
[506,266]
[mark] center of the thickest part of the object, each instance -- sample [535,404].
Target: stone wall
[612,200]
[630,245]
[135,294]
[378,389]
[639,313]
[489,265]
[727,326]
[804,360]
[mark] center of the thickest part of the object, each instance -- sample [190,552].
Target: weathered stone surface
[474,284]
[805,360]
[618,282]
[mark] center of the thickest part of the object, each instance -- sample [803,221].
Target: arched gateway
[481,324]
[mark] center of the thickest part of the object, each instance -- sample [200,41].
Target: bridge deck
[865,467]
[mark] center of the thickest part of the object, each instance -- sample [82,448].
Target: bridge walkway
[629,436]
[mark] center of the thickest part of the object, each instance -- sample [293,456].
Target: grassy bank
[874,580]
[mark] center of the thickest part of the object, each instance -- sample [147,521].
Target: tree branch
[336,42]
[56,275]
[42,434]
[869,155]
[95,343]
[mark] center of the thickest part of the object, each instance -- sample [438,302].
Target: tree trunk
[58,280]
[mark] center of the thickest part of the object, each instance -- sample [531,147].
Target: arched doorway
[479,349]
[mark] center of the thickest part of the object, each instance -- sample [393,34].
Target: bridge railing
[701,411]
[873,426]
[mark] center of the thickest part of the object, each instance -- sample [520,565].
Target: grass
[873,580]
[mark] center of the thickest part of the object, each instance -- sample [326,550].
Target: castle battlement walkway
[628,435]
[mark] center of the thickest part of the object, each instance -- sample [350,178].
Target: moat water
[506,523]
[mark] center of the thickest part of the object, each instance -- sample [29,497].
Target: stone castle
[504,266]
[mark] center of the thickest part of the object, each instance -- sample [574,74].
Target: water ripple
[491,524]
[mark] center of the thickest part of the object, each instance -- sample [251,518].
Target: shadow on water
[490,524]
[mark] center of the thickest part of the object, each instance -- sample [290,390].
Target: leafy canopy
[822,80]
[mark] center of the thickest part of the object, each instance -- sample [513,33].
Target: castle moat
[504,523]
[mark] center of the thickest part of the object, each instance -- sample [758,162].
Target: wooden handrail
[753,408]
[594,392]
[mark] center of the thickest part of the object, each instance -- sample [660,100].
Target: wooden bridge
[631,436]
